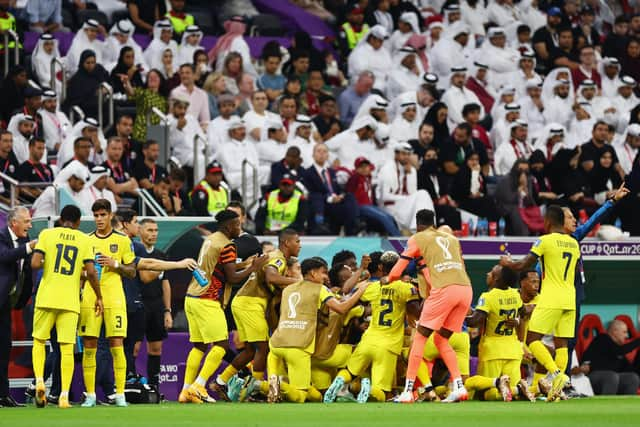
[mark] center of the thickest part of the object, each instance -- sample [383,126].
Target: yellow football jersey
[65,251]
[559,255]
[388,309]
[116,246]
[498,341]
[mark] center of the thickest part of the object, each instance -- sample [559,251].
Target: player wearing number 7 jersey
[555,312]
[61,252]
[445,308]
[381,343]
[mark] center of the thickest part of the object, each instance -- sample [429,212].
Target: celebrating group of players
[299,331]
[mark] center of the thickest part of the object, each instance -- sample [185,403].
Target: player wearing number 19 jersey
[61,252]
[558,254]
[382,341]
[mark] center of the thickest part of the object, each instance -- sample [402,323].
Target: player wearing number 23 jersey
[556,309]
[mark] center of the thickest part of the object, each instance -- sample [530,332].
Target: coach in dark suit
[15,286]
[329,205]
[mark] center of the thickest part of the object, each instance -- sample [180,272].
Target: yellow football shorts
[381,361]
[498,367]
[557,321]
[207,323]
[460,343]
[323,371]
[298,364]
[250,318]
[115,322]
[65,321]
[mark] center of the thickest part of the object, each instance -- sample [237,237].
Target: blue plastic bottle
[98,266]
[501,227]
[199,275]
[472,230]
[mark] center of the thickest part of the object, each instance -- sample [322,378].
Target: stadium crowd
[485,113]
[438,117]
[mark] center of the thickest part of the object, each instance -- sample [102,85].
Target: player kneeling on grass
[293,342]
[500,350]
[382,342]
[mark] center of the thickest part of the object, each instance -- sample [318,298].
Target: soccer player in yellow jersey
[294,340]
[203,306]
[382,341]
[555,312]
[249,311]
[62,252]
[114,254]
[500,351]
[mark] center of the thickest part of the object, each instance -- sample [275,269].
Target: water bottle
[98,266]
[200,277]
[472,230]
[501,227]
[482,227]
[618,223]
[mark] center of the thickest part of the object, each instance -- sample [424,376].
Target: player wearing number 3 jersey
[62,253]
[448,302]
[555,312]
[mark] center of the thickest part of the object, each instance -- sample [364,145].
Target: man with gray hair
[15,286]
[352,97]
[606,363]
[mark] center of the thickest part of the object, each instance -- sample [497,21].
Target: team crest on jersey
[537,243]
[113,248]
[278,263]
[481,302]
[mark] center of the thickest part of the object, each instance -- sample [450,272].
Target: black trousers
[5,347]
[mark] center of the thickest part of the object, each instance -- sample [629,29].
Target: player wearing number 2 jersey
[445,308]
[555,312]
[382,341]
[62,253]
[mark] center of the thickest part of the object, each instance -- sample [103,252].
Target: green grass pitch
[607,411]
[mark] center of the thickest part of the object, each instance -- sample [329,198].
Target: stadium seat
[204,20]
[590,326]
[119,15]
[84,15]
[266,25]
[67,18]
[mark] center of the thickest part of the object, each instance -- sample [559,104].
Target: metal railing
[10,34]
[147,201]
[72,114]
[105,87]
[164,120]
[196,153]
[243,184]
[63,87]
[14,187]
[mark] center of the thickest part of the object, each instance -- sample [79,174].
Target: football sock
[226,375]
[264,387]
[211,363]
[38,356]
[478,382]
[415,359]
[378,394]
[193,365]
[492,394]
[259,375]
[292,394]
[89,369]
[562,358]
[153,369]
[448,356]
[423,374]
[346,375]
[66,367]
[537,376]
[275,365]
[119,368]
[543,356]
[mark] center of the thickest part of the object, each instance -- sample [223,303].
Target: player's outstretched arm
[526,262]
[235,276]
[125,270]
[343,307]
[274,278]
[154,264]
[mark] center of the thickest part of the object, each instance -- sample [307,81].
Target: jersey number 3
[68,254]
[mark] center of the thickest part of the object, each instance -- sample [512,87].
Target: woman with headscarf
[83,86]
[437,117]
[604,179]
[190,43]
[86,39]
[201,64]
[126,66]
[515,190]
[469,189]
[630,61]
[540,180]
[152,95]
[162,40]
[232,41]
[45,51]
[121,35]
[568,179]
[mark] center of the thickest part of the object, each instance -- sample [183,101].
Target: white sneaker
[405,397]
[457,395]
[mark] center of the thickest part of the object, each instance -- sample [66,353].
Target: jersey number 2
[389,304]
[69,255]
